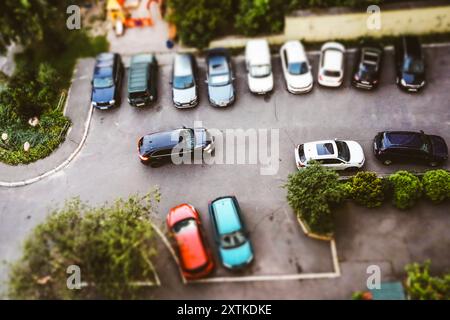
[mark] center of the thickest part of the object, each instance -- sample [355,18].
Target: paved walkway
[77,110]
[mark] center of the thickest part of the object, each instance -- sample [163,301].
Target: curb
[64,164]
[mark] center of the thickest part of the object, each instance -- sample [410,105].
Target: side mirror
[170,82]
[206,81]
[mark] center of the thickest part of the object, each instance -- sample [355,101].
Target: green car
[142,80]
[235,249]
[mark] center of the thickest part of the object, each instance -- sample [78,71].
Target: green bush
[436,185]
[113,245]
[407,189]
[312,192]
[420,285]
[366,189]
[260,16]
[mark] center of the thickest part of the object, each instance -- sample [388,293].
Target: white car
[296,67]
[259,66]
[334,154]
[331,65]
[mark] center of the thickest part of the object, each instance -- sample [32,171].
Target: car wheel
[156,164]
[387,162]
[351,169]
[433,164]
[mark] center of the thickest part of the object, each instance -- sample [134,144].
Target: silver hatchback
[184,84]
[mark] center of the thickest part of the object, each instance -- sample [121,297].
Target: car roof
[258,50]
[295,51]
[324,149]
[412,45]
[191,246]
[161,140]
[105,56]
[226,215]
[182,65]
[405,139]
[333,59]
[138,78]
[143,58]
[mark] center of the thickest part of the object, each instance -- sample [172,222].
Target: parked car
[220,78]
[259,66]
[410,64]
[366,72]
[232,238]
[107,81]
[142,80]
[184,83]
[408,146]
[184,224]
[296,67]
[334,154]
[331,65]
[158,148]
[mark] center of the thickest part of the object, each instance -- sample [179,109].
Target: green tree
[407,189]
[260,16]
[312,192]
[421,285]
[199,21]
[366,189]
[436,185]
[113,245]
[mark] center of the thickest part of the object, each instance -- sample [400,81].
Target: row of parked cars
[230,235]
[142,76]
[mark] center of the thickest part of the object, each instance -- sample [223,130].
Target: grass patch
[42,75]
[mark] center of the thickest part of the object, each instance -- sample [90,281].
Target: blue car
[235,249]
[107,81]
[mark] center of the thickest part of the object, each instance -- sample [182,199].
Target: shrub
[407,189]
[420,285]
[113,245]
[436,185]
[366,189]
[312,192]
[260,16]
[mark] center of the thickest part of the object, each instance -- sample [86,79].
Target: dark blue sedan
[107,81]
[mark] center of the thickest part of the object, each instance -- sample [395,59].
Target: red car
[195,256]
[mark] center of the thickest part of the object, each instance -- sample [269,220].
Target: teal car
[235,249]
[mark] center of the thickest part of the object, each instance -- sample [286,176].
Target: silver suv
[184,86]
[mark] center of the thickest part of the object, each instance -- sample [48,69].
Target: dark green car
[142,84]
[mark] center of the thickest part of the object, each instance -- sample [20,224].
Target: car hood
[260,84]
[220,94]
[356,152]
[439,146]
[103,95]
[299,81]
[184,95]
[238,256]
[411,78]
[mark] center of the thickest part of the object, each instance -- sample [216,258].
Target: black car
[181,144]
[142,80]
[220,78]
[366,72]
[410,64]
[107,81]
[407,146]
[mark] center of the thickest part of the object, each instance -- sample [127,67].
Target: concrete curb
[64,164]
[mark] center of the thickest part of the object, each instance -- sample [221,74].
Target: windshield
[233,240]
[298,68]
[335,74]
[219,79]
[413,66]
[185,225]
[343,151]
[103,82]
[260,71]
[183,82]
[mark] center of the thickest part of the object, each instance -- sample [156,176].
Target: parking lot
[108,166]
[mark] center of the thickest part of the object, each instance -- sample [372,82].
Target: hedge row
[314,191]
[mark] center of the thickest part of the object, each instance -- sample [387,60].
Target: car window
[101,83]
[324,149]
[343,150]
[260,71]
[232,240]
[183,82]
[413,65]
[219,80]
[161,153]
[330,161]
[183,226]
[334,74]
[298,68]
